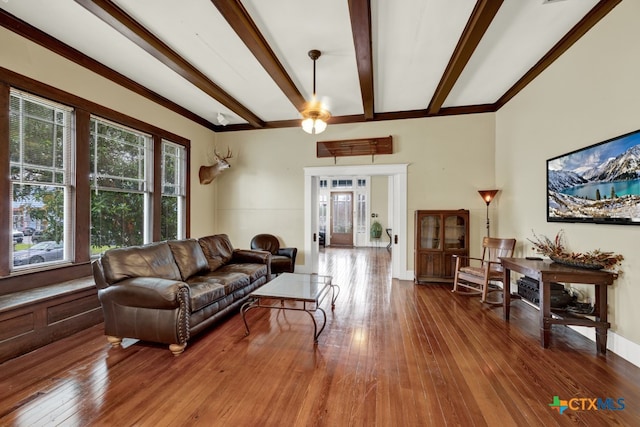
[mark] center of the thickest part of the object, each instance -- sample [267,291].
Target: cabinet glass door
[430,232]
[454,229]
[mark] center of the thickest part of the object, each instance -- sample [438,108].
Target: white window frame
[144,180]
[67,171]
[179,184]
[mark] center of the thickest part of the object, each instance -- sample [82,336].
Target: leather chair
[477,275]
[283,260]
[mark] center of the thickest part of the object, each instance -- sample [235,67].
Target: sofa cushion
[230,279]
[204,291]
[189,257]
[217,250]
[254,271]
[152,260]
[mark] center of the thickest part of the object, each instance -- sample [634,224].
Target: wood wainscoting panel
[33,318]
[12,327]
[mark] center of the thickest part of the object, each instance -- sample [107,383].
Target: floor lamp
[488,196]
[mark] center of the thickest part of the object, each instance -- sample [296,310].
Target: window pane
[118,157]
[169,222]
[41,207]
[120,186]
[172,222]
[342,183]
[38,142]
[322,212]
[40,165]
[361,213]
[117,220]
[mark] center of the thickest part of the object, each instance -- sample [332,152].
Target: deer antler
[209,173]
[228,156]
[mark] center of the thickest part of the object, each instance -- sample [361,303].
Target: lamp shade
[488,195]
[313,126]
[315,117]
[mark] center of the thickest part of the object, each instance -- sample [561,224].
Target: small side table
[546,271]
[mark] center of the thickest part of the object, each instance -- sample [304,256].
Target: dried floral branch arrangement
[556,250]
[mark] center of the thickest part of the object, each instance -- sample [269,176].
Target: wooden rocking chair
[477,274]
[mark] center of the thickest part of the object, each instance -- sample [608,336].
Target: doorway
[397,195]
[341,218]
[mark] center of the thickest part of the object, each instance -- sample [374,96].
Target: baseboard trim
[617,344]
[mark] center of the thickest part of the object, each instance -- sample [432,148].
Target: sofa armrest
[249,256]
[289,253]
[146,292]
[98,274]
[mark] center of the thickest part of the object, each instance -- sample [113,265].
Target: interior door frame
[397,174]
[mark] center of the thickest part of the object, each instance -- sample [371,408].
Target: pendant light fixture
[314,114]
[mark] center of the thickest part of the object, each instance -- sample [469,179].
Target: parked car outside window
[41,252]
[39,236]
[18,236]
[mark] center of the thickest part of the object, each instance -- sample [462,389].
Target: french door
[341,218]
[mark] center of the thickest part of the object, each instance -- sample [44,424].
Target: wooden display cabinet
[439,235]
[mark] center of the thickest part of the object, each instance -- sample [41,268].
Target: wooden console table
[546,271]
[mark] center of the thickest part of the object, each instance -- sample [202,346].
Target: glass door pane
[342,218]
[454,227]
[430,232]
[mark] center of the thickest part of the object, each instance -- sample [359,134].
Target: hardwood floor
[392,354]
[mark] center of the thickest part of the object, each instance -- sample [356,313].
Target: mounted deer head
[209,173]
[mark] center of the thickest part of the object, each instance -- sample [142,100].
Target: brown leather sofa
[167,292]
[283,260]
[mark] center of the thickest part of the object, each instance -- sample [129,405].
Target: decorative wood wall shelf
[355,147]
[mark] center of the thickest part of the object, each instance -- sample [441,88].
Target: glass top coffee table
[307,291]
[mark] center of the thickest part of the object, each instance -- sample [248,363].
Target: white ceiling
[412,44]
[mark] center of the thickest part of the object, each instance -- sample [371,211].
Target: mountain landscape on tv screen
[597,183]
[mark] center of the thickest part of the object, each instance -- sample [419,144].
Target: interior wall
[589,95]
[29,59]
[450,158]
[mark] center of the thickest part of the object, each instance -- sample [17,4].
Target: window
[41,166]
[323,201]
[80,178]
[361,212]
[172,224]
[342,183]
[120,186]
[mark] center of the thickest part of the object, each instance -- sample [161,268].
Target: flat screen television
[596,184]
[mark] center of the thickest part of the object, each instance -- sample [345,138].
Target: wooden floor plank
[393,353]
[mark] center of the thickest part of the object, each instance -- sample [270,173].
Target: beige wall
[589,95]
[29,59]
[449,158]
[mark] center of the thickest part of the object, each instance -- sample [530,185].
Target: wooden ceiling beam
[360,13]
[238,18]
[128,27]
[37,36]
[481,17]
